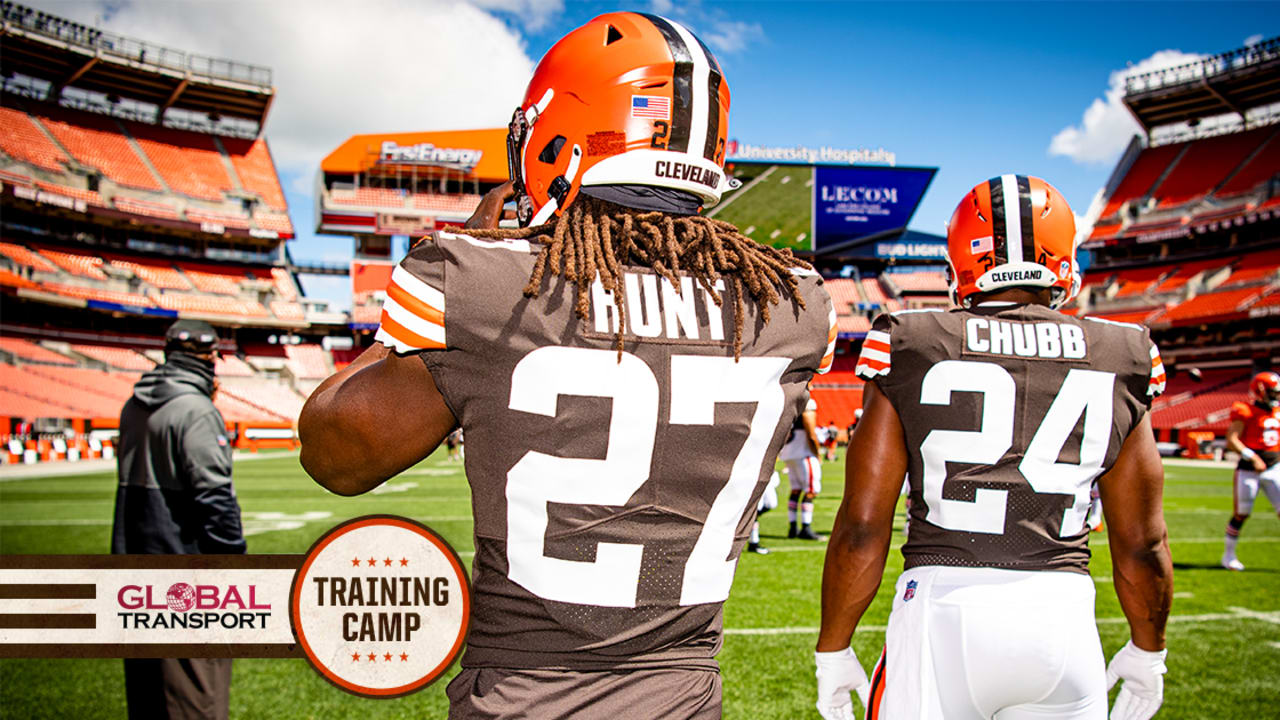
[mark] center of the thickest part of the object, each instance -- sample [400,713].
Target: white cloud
[1107,126]
[393,66]
[536,14]
[732,36]
[1252,40]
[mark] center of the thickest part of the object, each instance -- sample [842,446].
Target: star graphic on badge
[372,562]
[387,657]
[404,562]
[355,657]
[355,562]
[373,658]
[404,656]
[386,562]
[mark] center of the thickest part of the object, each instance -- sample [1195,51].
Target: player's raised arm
[371,420]
[858,547]
[1132,494]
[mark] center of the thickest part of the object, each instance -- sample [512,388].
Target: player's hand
[1143,689]
[489,211]
[1258,464]
[840,673]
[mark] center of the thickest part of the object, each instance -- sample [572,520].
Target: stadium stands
[116,357]
[29,351]
[25,257]
[92,293]
[190,163]
[308,361]
[284,284]
[213,280]
[156,274]
[97,141]
[210,305]
[150,208]
[252,162]
[1258,170]
[1212,306]
[287,310]
[1148,168]
[10,279]
[76,264]
[457,204]
[1205,164]
[875,295]
[232,366]
[844,293]
[914,282]
[21,138]
[369,197]
[88,196]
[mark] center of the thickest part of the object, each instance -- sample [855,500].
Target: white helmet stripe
[1012,214]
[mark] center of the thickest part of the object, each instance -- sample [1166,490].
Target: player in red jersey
[1002,413]
[625,369]
[1255,434]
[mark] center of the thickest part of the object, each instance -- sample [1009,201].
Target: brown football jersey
[612,494]
[1010,413]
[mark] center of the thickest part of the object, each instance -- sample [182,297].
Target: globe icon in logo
[181,597]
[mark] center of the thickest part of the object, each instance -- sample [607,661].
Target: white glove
[1143,689]
[840,673]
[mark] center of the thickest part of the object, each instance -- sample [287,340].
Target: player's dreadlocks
[594,236]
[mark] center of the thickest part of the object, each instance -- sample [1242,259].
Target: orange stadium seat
[214,280]
[838,405]
[1259,169]
[158,275]
[459,204]
[369,197]
[26,257]
[232,366]
[1142,174]
[1206,164]
[285,310]
[146,207]
[308,361]
[285,287]
[1211,306]
[272,221]
[1139,316]
[82,265]
[231,221]
[97,141]
[16,405]
[919,281]
[8,278]
[88,196]
[852,324]
[117,357]
[1103,231]
[90,293]
[114,385]
[871,288]
[1255,269]
[32,352]
[1138,280]
[1184,273]
[21,139]
[253,163]
[79,404]
[844,293]
[189,162]
[269,395]
[183,302]
[366,314]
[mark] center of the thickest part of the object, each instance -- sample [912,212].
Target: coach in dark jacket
[175,497]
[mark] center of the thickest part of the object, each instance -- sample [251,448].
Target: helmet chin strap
[559,189]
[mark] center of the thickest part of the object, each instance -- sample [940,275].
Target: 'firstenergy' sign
[428,154]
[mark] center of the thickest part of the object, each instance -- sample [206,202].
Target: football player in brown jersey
[625,369]
[1001,412]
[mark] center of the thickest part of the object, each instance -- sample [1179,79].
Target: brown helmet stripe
[1028,224]
[681,84]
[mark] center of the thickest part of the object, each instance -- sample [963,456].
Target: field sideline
[1224,637]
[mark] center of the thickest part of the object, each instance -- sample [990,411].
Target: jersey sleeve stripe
[1156,386]
[412,323]
[875,345]
[417,288]
[414,305]
[403,339]
[870,353]
[878,336]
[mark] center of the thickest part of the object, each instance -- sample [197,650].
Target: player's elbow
[1146,546]
[331,452]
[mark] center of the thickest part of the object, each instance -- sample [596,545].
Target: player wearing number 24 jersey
[625,369]
[1002,413]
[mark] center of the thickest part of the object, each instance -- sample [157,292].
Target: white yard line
[739,192]
[1236,614]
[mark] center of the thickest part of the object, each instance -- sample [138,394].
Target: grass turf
[1224,637]
[782,201]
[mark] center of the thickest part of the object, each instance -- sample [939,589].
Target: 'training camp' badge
[381,606]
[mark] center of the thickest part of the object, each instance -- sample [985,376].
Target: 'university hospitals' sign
[856,203]
[743,152]
[428,154]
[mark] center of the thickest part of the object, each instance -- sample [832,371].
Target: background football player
[1002,413]
[1255,434]
[804,471]
[625,369]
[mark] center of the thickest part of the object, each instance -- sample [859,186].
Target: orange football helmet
[1264,390]
[1012,230]
[627,99]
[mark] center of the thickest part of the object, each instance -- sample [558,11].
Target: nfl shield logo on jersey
[910,592]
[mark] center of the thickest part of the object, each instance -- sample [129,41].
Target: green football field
[777,209]
[1224,637]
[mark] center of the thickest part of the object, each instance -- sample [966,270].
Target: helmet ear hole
[612,36]
[552,149]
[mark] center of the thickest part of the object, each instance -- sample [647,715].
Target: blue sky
[975,89]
